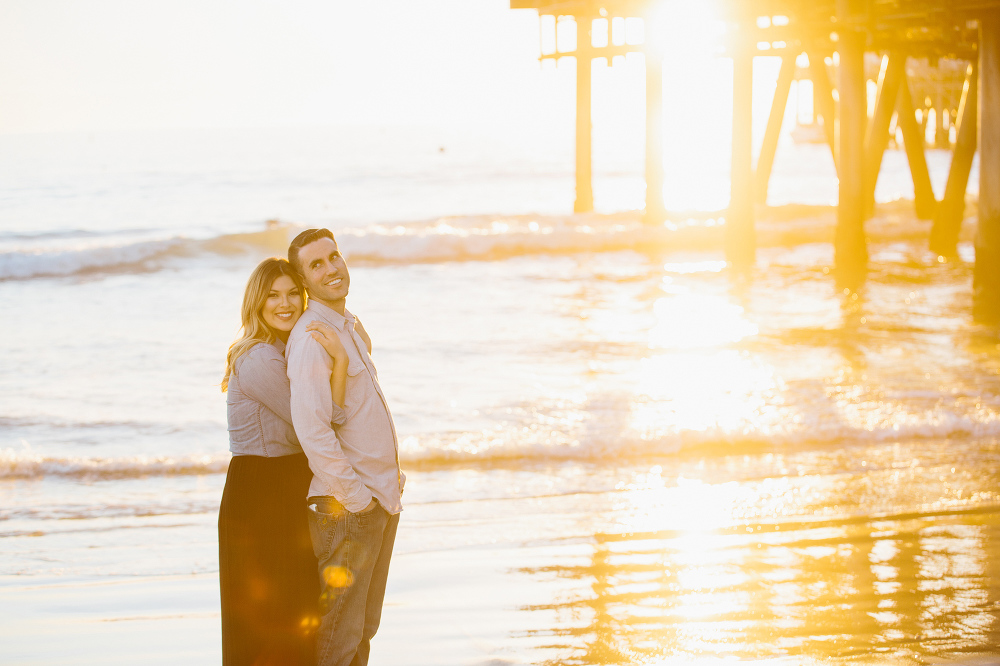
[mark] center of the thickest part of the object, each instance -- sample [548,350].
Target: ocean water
[703,463]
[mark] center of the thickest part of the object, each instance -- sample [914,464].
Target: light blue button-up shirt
[359,460]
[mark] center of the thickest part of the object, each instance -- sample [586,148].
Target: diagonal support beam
[951,210]
[824,93]
[877,135]
[765,161]
[913,141]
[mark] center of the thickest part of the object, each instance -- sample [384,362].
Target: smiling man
[354,499]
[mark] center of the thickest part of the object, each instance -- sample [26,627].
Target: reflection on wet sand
[893,587]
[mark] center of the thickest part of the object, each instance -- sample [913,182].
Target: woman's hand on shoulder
[326,336]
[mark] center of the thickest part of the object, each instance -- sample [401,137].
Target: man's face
[325,273]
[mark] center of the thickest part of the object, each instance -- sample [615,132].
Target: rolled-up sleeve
[312,409]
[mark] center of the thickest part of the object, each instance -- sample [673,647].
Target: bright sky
[128,64]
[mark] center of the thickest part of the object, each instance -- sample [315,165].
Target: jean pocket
[368,517]
[328,506]
[325,531]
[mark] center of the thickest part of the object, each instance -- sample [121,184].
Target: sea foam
[463,238]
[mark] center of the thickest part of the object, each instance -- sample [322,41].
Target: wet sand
[624,565]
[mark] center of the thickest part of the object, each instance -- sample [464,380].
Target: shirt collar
[342,321]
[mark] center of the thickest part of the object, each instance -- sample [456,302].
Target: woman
[267,570]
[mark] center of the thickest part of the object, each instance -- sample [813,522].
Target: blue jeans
[353,550]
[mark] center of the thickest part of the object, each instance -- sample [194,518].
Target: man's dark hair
[303,239]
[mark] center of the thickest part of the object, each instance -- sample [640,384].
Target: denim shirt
[258,404]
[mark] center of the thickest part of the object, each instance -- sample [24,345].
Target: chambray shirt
[359,459]
[258,404]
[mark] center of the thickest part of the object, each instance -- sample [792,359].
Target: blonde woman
[267,571]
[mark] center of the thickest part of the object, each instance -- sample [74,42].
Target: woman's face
[283,306]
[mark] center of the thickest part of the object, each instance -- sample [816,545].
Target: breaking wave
[600,438]
[31,465]
[446,239]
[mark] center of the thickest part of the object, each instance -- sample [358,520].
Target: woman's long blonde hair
[255,329]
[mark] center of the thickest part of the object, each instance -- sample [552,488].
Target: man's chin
[329,295]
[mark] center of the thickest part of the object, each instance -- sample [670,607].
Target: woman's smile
[283,306]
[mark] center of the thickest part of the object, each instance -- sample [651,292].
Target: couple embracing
[312,497]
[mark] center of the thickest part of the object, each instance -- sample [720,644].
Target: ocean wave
[464,238]
[32,465]
[596,440]
[109,253]
[532,445]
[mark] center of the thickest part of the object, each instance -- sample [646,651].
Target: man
[354,499]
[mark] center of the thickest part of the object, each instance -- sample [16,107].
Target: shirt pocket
[357,389]
[355,367]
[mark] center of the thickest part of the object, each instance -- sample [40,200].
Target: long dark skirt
[267,570]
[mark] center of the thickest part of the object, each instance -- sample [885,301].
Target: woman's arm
[327,337]
[359,327]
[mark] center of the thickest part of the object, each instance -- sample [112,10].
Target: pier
[929,59]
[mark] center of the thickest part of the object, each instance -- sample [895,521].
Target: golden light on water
[703,572]
[721,393]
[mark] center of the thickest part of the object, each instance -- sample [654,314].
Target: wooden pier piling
[850,247]
[951,210]
[986,274]
[654,211]
[584,128]
[740,237]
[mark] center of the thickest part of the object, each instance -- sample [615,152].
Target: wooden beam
[951,211]
[740,236]
[610,51]
[823,93]
[765,160]
[986,274]
[877,134]
[654,138]
[850,248]
[584,172]
[913,141]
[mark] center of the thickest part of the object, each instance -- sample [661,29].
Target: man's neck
[339,306]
